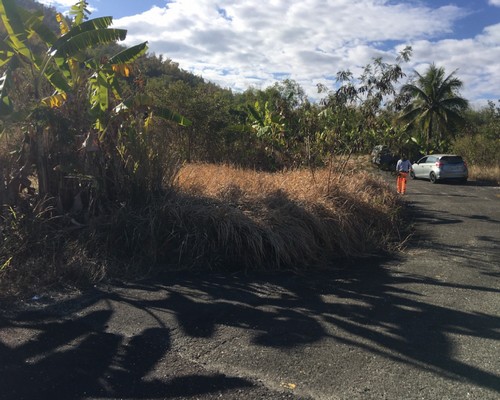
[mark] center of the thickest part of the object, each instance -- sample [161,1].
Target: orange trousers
[401,182]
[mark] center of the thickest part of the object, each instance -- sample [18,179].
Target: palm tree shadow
[365,305]
[77,358]
[411,330]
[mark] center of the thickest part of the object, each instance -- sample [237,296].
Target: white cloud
[494,2]
[57,3]
[62,5]
[238,44]
[476,61]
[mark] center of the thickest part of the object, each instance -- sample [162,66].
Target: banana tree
[79,82]
[269,126]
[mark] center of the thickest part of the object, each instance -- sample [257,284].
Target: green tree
[435,106]
[86,113]
[283,121]
[355,114]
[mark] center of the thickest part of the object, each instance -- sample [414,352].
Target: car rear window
[452,160]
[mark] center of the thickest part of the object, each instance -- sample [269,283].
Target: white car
[436,167]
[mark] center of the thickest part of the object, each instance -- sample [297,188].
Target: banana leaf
[33,23]
[94,24]
[170,115]
[129,55]
[85,40]
[14,26]
[80,12]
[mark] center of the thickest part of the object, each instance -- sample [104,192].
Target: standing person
[403,167]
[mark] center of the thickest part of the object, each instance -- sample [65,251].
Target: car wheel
[412,175]
[433,177]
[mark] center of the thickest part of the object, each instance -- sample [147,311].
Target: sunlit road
[425,325]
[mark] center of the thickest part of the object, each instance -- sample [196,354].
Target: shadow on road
[76,357]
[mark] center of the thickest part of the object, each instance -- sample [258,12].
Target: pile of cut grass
[214,218]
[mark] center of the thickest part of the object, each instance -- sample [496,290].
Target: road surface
[423,325]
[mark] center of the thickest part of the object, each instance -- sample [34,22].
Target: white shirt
[403,166]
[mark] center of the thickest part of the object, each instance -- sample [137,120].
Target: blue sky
[238,44]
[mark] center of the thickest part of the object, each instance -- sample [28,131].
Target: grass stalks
[485,173]
[216,217]
[288,219]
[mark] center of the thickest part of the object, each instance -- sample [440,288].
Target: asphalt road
[425,325]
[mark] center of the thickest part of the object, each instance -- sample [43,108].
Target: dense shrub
[478,150]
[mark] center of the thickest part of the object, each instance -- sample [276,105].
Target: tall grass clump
[233,218]
[212,218]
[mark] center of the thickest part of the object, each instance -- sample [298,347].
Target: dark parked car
[437,167]
[383,158]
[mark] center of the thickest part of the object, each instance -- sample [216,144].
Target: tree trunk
[429,136]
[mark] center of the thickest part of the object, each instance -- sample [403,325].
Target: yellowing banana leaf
[63,24]
[121,69]
[54,101]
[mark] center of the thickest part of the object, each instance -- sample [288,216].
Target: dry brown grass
[292,219]
[489,174]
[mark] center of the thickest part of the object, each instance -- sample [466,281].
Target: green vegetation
[479,143]
[100,177]
[435,107]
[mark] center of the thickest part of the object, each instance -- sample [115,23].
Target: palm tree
[435,104]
